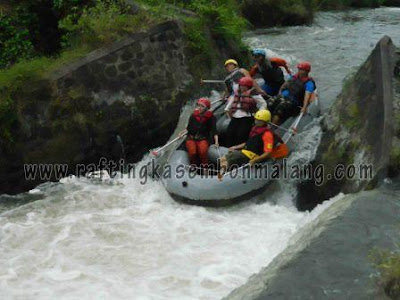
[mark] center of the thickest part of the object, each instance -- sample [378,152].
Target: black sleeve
[189,126]
[213,126]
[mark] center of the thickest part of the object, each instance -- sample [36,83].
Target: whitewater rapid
[132,241]
[122,239]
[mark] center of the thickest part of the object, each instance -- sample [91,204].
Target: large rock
[329,259]
[395,3]
[262,13]
[117,102]
[358,131]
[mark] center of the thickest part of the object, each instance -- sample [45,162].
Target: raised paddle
[203,81]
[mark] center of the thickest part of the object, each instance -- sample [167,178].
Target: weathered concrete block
[329,259]
[358,129]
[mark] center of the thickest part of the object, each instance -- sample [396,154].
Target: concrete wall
[151,63]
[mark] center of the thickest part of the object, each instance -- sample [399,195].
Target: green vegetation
[103,23]
[14,37]
[215,20]
[353,119]
[388,263]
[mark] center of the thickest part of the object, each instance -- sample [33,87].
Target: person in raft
[262,144]
[233,77]
[295,95]
[202,125]
[240,109]
[270,70]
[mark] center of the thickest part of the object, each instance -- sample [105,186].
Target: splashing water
[128,240]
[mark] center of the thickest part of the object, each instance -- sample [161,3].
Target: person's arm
[261,103]
[307,98]
[228,107]
[237,147]
[284,85]
[310,88]
[213,130]
[254,70]
[244,72]
[260,158]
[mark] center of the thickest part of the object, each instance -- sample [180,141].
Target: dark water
[336,44]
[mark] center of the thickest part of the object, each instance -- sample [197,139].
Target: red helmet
[246,81]
[304,65]
[205,102]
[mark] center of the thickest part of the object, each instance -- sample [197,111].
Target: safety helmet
[259,52]
[231,61]
[205,102]
[246,81]
[263,115]
[304,65]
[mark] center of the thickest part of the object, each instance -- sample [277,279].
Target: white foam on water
[132,241]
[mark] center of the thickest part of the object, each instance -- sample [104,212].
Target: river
[126,240]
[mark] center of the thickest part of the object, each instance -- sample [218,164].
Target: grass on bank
[388,264]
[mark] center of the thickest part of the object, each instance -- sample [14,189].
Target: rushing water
[126,240]
[336,44]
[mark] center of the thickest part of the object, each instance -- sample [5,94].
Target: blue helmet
[259,52]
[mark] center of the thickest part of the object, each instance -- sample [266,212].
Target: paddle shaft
[211,81]
[169,143]
[293,128]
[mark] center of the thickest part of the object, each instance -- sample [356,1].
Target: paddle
[293,129]
[216,101]
[203,81]
[157,152]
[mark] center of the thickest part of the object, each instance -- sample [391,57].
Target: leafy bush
[15,43]
[222,17]
[105,22]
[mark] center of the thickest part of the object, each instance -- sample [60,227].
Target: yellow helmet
[263,115]
[231,61]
